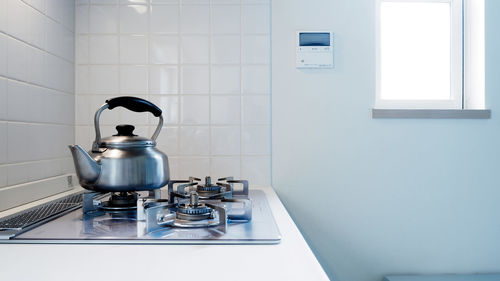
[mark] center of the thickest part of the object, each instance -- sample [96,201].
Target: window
[430,54]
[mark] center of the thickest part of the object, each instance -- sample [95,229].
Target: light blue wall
[376,197]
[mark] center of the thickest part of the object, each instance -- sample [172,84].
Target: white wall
[205,63]
[376,197]
[36,92]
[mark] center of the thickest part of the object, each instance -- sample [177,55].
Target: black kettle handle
[134,104]
[130,103]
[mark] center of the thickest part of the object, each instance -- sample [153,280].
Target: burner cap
[190,210]
[208,187]
[194,213]
[121,201]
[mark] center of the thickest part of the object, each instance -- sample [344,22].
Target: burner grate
[42,212]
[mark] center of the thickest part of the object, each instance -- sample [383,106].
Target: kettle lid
[125,138]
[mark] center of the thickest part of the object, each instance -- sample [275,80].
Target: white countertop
[292,259]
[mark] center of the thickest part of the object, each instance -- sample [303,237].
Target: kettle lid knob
[125,130]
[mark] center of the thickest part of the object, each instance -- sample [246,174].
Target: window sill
[431,113]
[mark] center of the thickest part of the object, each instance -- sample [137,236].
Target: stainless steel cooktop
[187,212]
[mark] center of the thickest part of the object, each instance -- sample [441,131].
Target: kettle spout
[87,169]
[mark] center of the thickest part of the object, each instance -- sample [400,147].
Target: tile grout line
[59,92]
[89,110]
[120,113]
[75,54]
[241,89]
[32,45]
[179,85]
[210,42]
[148,34]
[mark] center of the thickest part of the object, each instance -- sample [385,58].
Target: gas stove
[185,212]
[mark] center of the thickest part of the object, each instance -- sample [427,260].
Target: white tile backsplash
[37,100]
[134,80]
[82,79]
[225,79]
[193,166]
[3,174]
[164,1]
[19,59]
[256,1]
[82,19]
[168,140]
[256,49]
[61,11]
[225,110]
[3,54]
[19,21]
[3,15]
[256,110]
[164,19]
[17,174]
[170,107]
[59,40]
[226,19]
[163,80]
[256,140]
[195,110]
[3,143]
[226,1]
[194,141]
[195,18]
[221,167]
[204,2]
[134,1]
[164,49]
[134,19]
[3,99]
[103,49]
[104,1]
[103,79]
[133,49]
[255,19]
[225,49]
[82,49]
[84,135]
[255,79]
[195,49]
[103,19]
[256,169]
[205,63]
[41,28]
[195,79]
[226,140]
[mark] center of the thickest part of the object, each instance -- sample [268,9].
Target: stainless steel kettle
[122,162]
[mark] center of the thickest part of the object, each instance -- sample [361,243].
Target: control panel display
[311,39]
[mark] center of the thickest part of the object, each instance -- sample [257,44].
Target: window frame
[457,98]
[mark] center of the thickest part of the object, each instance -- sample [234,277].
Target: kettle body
[123,162]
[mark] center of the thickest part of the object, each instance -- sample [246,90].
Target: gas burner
[208,189]
[191,204]
[223,189]
[194,211]
[120,201]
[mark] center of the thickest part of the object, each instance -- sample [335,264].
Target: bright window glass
[415,51]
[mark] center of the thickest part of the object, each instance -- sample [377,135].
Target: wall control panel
[314,49]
